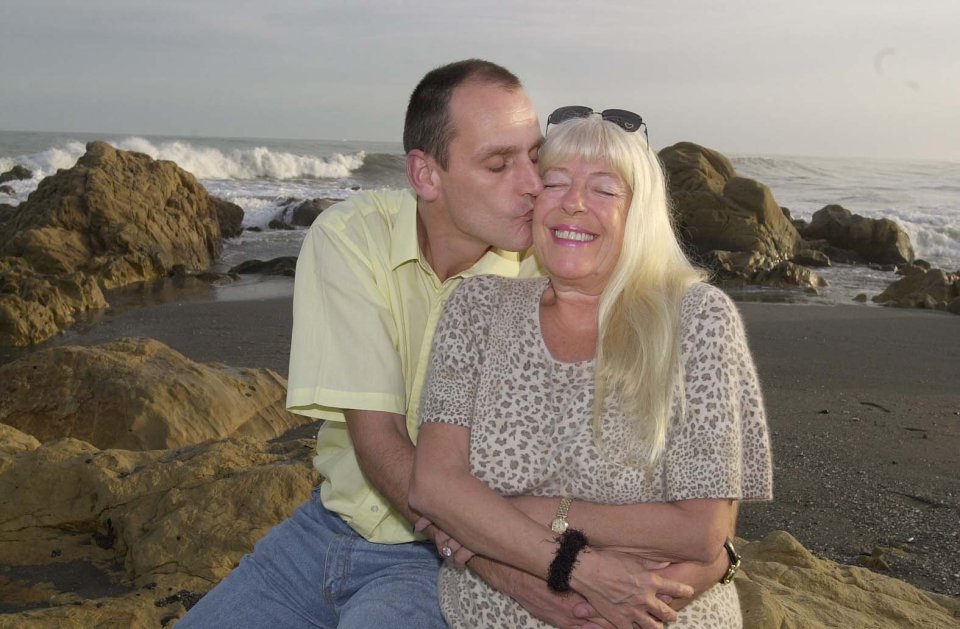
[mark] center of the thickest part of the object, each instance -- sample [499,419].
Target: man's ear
[422,175]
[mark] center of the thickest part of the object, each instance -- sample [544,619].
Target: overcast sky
[875,78]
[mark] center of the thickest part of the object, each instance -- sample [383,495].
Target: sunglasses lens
[568,112]
[626,120]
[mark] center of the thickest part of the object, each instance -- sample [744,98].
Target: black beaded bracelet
[571,542]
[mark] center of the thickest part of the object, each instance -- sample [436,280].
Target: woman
[620,381]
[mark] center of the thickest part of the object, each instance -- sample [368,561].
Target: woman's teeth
[564,234]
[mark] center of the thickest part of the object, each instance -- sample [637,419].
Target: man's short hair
[428,126]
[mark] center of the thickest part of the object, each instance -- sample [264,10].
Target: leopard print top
[530,425]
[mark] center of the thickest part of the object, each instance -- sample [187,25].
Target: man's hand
[568,612]
[460,554]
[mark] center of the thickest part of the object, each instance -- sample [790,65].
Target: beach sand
[863,405]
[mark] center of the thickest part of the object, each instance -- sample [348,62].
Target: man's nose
[530,182]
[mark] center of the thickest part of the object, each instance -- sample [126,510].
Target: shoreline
[862,403]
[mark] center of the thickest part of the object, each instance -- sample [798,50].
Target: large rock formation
[783,585]
[877,240]
[117,217]
[138,394]
[92,537]
[718,210]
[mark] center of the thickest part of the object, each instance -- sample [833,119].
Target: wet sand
[863,405]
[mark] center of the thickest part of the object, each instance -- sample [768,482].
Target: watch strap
[734,558]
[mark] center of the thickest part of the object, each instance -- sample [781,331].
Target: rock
[13,441]
[8,190]
[717,210]
[179,521]
[737,269]
[254,228]
[182,276]
[229,216]
[921,288]
[139,394]
[835,254]
[36,306]
[305,213]
[17,173]
[783,585]
[811,257]
[280,224]
[285,265]
[860,298]
[954,306]
[872,240]
[117,215]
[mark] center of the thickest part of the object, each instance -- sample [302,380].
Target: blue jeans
[313,570]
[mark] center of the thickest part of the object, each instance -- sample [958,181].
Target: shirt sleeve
[450,387]
[719,445]
[343,352]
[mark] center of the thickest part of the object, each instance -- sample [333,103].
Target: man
[372,277]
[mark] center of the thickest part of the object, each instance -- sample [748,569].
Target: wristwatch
[559,523]
[734,562]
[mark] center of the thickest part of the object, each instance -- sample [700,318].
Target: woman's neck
[569,321]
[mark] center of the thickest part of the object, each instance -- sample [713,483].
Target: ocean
[261,174]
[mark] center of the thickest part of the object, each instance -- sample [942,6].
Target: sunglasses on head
[626,120]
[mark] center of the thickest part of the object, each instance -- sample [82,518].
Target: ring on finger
[446,551]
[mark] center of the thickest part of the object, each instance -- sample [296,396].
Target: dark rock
[861,298]
[254,229]
[922,263]
[230,217]
[180,273]
[305,213]
[8,190]
[286,265]
[873,240]
[17,173]
[811,257]
[280,224]
[717,210]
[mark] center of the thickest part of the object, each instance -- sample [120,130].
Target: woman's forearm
[444,490]
[686,530]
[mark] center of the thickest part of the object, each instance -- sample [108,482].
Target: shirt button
[374,508]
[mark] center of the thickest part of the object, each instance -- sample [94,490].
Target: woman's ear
[422,175]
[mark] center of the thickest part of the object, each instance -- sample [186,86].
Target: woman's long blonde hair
[638,348]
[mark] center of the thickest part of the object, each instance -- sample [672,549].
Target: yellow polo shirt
[365,308]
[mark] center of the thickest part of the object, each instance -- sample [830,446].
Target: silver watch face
[559,525]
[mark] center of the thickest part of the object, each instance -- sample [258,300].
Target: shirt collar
[406,247]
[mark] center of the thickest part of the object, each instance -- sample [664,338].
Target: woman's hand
[460,554]
[625,589]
